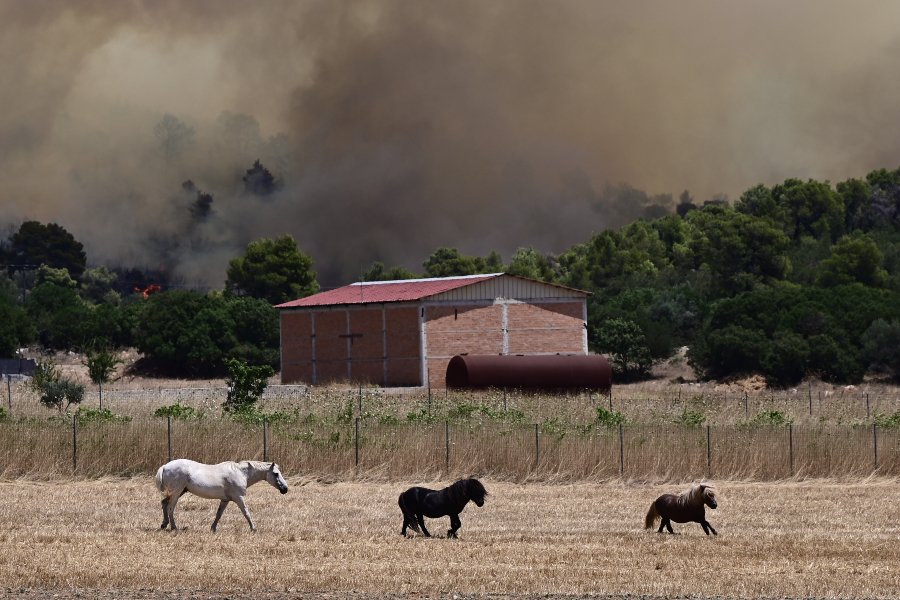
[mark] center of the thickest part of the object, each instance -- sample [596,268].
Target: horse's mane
[467,489]
[694,496]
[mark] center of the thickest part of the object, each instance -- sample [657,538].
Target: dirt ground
[100,538]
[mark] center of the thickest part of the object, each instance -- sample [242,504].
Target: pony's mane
[467,489]
[694,496]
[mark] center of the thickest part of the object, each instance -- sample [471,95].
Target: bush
[610,418]
[881,346]
[101,364]
[61,394]
[246,385]
[103,415]
[186,332]
[691,418]
[176,411]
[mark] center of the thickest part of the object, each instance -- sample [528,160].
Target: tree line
[795,280]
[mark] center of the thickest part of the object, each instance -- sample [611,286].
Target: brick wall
[531,328]
[381,344]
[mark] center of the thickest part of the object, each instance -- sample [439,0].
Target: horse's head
[275,479]
[709,496]
[476,492]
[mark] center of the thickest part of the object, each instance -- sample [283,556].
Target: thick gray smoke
[397,127]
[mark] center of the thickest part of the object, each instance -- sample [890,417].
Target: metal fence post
[875,440]
[169,435]
[357,442]
[74,443]
[868,414]
[360,399]
[265,442]
[9,391]
[101,394]
[791,442]
[621,450]
[708,453]
[447,431]
[537,446]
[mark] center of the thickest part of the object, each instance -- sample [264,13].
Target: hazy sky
[411,125]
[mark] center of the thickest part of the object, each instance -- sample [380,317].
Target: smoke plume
[395,127]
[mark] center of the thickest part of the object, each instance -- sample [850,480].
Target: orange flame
[150,289]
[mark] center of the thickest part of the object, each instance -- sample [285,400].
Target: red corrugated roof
[387,291]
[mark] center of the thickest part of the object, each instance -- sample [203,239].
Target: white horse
[227,481]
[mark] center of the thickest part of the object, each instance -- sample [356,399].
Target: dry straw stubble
[820,539]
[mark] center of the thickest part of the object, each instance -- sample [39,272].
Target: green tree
[528,262]
[448,262]
[246,385]
[377,273]
[811,208]
[97,287]
[51,245]
[58,277]
[626,345]
[740,251]
[853,259]
[185,332]
[101,363]
[275,270]
[55,391]
[881,346]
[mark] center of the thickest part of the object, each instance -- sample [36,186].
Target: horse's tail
[408,517]
[159,480]
[652,517]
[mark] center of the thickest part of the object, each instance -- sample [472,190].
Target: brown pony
[689,506]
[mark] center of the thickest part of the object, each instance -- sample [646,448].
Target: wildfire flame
[150,289]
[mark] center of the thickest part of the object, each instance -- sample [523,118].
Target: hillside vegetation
[795,280]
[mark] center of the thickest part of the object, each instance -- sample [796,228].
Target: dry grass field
[783,539]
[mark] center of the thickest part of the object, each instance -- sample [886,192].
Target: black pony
[417,502]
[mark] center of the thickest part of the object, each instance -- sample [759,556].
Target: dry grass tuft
[809,539]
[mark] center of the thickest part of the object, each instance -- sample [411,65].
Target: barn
[404,333]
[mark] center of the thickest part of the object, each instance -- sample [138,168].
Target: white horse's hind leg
[173,500]
[221,510]
[165,508]
[243,506]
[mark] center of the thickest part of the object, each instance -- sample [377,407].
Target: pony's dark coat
[687,507]
[417,502]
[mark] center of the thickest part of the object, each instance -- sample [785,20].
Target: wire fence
[673,434]
[518,452]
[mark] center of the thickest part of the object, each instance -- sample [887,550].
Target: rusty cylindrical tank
[556,371]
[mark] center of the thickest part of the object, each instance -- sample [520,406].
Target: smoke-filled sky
[396,127]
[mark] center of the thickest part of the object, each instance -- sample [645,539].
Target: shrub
[246,385]
[101,364]
[610,418]
[691,418]
[771,418]
[103,415]
[176,411]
